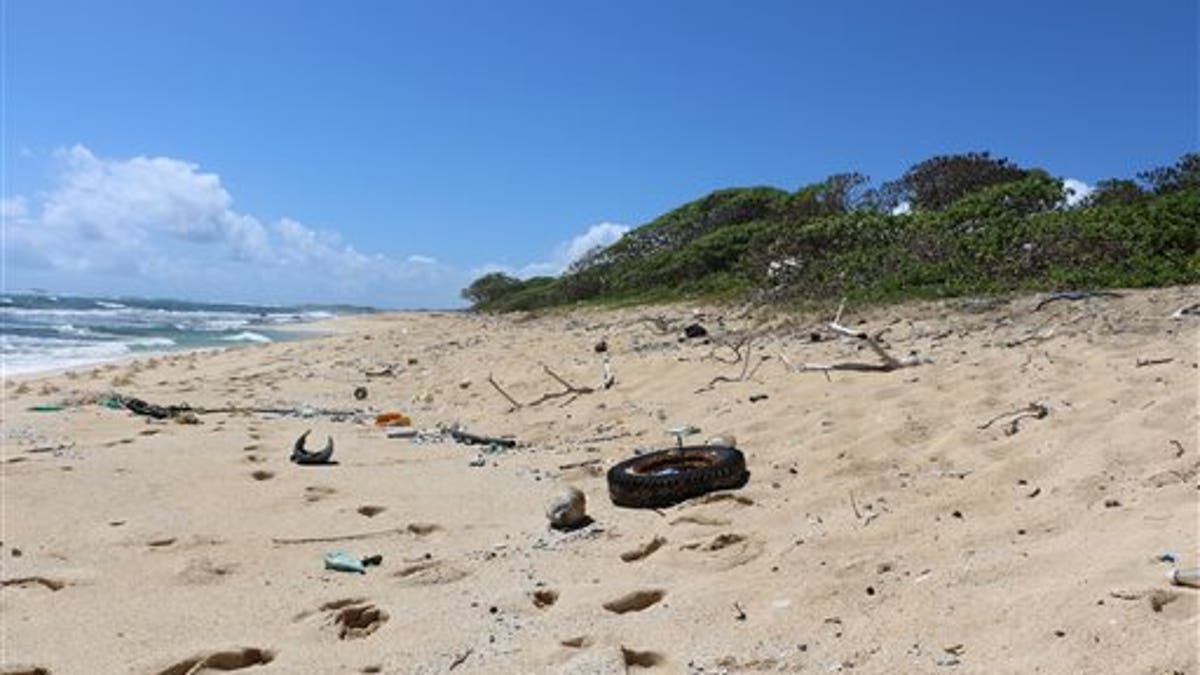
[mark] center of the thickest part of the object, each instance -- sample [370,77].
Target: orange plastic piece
[392,419]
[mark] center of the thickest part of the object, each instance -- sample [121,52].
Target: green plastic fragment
[45,408]
[343,562]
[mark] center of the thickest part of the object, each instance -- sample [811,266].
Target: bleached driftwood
[888,362]
[607,379]
[1185,311]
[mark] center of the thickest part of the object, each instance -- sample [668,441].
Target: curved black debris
[302,456]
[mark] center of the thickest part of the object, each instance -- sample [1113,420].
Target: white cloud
[1076,191]
[565,253]
[155,224]
[902,208]
[13,209]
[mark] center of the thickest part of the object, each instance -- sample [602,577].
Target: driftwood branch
[747,372]
[1187,310]
[569,390]
[1075,295]
[736,347]
[1036,410]
[302,411]
[343,537]
[888,362]
[492,381]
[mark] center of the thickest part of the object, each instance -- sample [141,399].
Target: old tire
[668,477]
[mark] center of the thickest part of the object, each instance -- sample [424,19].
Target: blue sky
[386,152]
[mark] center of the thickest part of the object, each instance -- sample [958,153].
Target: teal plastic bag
[343,562]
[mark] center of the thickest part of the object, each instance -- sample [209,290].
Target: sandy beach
[912,521]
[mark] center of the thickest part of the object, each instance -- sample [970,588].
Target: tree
[491,287]
[1114,192]
[843,192]
[1184,175]
[940,181]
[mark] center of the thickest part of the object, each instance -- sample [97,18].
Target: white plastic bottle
[1185,577]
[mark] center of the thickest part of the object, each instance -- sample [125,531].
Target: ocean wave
[110,305]
[247,336]
[149,342]
[43,355]
[215,325]
[70,329]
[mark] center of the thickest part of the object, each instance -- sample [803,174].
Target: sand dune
[882,529]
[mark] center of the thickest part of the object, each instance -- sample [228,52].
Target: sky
[386,152]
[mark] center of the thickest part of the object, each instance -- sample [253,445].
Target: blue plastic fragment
[343,562]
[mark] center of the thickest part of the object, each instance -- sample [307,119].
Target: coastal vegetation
[950,225]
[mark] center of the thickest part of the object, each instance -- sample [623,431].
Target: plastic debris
[467,438]
[393,419]
[344,562]
[1190,577]
[682,432]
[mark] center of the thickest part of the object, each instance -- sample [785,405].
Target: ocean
[45,331]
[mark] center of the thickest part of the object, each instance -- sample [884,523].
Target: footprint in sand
[577,642]
[646,659]
[315,493]
[644,550]
[161,543]
[696,519]
[262,475]
[251,447]
[370,511]
[431,573]
[233,659]
[24,670]
[544,597]
[349,618]
[722,552]
[255,459]
[635,601]
[203,571]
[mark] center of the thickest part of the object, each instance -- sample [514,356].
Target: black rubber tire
[643,482]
